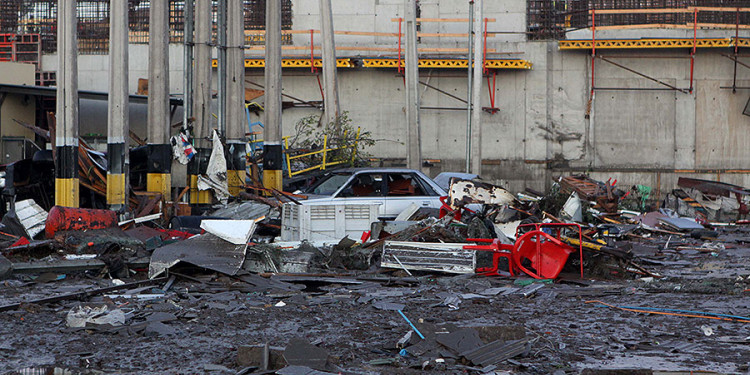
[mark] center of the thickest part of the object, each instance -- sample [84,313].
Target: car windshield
[329,184]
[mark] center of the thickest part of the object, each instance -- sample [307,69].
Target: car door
[405,188]
[363,188]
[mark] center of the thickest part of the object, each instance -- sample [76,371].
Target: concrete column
[684,132]
[158,178]
[187,83]
[201,100]
[235,107]
[413,145]
[330,80]
[118,117]
[66,136]
[476,99]
[272,152]
[221,34]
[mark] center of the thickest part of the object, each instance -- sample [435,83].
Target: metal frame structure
[660,43]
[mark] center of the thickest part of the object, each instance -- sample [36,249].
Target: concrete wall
[541,129]
[16,107]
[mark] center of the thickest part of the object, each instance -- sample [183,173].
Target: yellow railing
[324,152]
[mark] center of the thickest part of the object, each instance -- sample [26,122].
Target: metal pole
[118,119]
[202,98]
[476,134]
[330,79]
[272,152]
[236,121]
[187,83]
[413,150]
[202,85]
[469,88]
[158,173]
[222,71]
[66,136]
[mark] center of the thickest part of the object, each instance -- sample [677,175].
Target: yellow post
[288,161]
[325,151]
[356,140]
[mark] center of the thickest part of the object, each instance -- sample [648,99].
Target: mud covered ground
[201,323]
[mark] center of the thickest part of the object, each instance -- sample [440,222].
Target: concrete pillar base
[67,192]
[116,191]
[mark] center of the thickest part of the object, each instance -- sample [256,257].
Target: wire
[674,312]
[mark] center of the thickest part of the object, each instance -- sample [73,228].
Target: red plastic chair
[544,254]
[536,253]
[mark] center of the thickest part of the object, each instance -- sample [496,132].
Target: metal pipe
[444,92]
[736,38]
[476,95]
[187,83]
[469,71]
[644,76]
[222,69]
[634,89]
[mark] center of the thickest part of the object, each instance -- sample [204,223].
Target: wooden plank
[640,11]
[721,9]
[440,20]
[362,48]
[672,26]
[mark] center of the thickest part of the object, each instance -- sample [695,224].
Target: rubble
[523,283]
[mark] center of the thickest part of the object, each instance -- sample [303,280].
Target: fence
[325,163]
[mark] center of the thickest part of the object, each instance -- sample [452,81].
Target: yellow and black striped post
[66,137]
[197,166]
[159,168]
[236,167]
[272,166]
[118,118]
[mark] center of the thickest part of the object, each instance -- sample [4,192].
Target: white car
[394,189]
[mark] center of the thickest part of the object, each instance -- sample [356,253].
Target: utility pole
[158,171]
[476,133]
[187,83]
[467,169]
[413,148]
[272,152]
[331,97]
[66,136]
[118,117]
[201,99]
[235,105]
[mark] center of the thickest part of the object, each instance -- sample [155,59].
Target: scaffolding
[552,19]
[40,17]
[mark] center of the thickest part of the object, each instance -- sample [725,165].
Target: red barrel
[66,218]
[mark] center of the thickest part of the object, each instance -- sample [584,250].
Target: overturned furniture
[539,252]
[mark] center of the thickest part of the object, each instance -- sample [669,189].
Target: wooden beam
[367,33]
[673,26]
[440,20]
[669,10]
[380,49]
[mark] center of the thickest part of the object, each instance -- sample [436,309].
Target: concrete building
[545,124]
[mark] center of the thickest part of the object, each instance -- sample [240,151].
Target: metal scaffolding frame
[39,17]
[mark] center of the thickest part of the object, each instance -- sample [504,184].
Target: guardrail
[324,152]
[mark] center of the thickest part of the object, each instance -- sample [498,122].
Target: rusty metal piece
[78,219]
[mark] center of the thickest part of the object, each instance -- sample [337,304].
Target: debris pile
[588,275]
